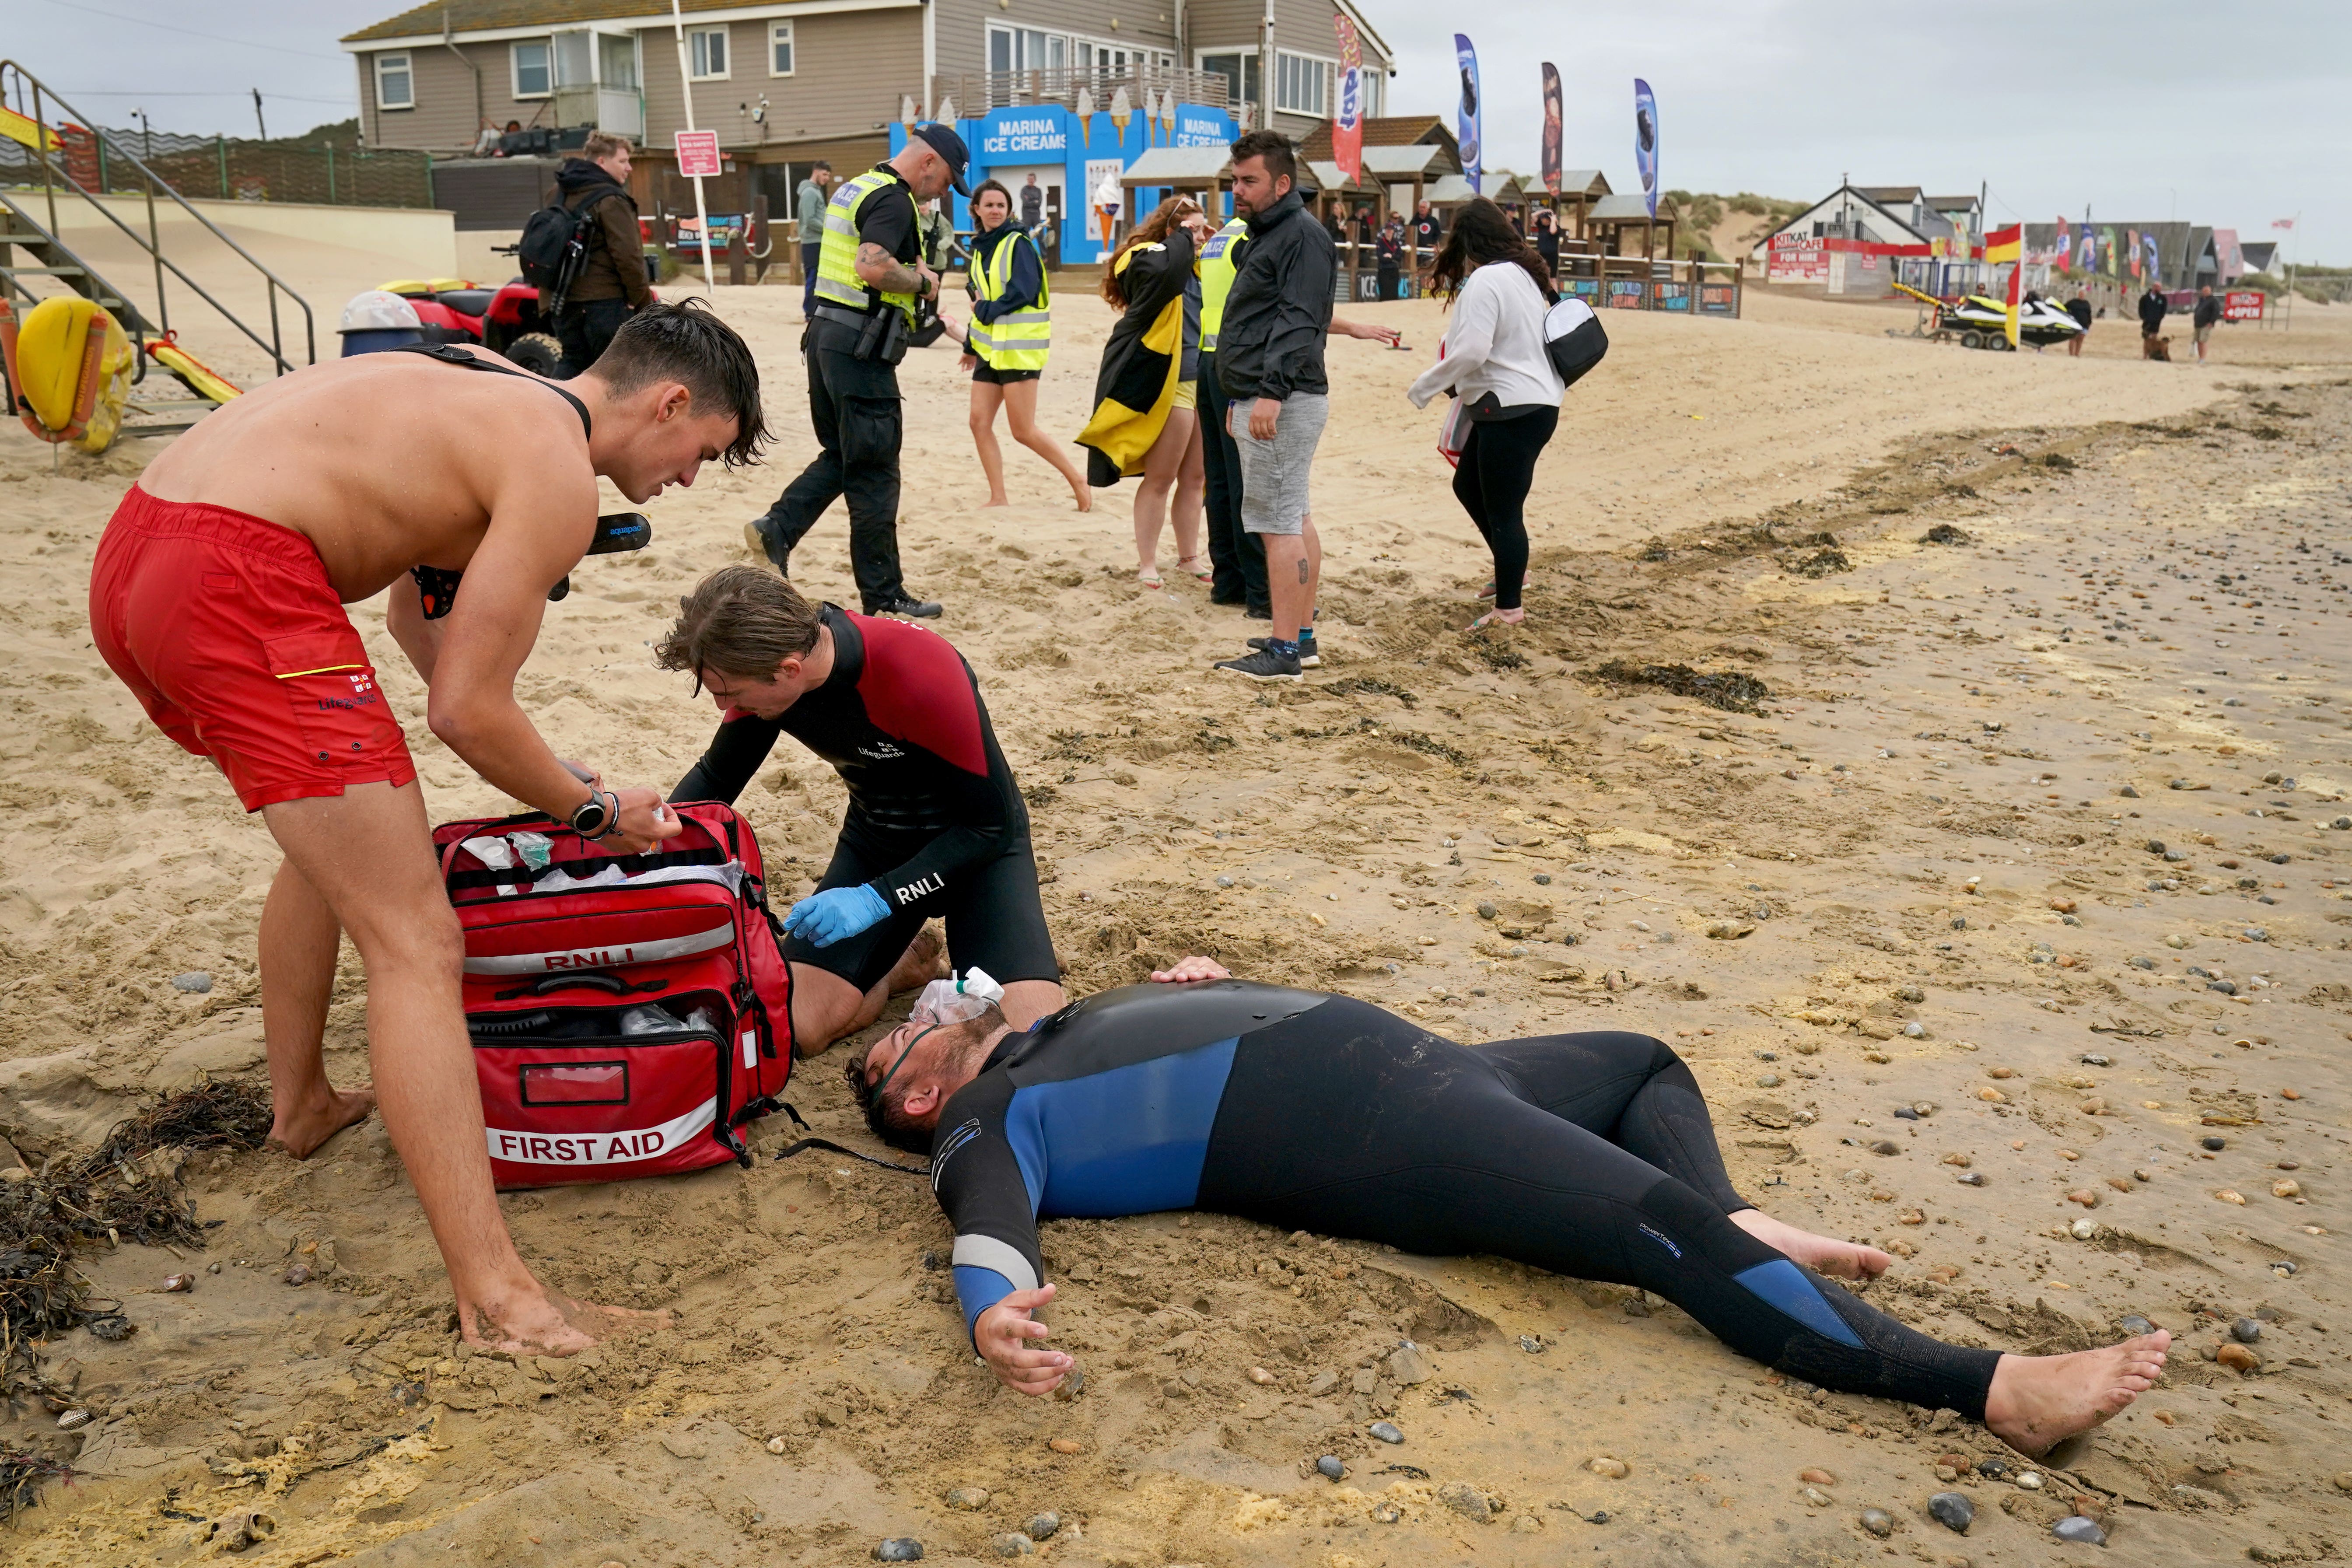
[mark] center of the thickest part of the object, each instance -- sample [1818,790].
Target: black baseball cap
[942,140]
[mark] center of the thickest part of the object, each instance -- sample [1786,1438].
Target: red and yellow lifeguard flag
[2008,245]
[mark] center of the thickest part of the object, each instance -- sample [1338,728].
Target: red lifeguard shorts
[225,628]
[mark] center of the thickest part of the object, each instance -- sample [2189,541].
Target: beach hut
[1612,216]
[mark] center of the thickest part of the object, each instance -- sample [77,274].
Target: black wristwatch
[597,815]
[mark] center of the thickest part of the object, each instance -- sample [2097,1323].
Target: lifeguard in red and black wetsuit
[936,824]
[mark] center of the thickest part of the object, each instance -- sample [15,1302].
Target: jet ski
[1982,322]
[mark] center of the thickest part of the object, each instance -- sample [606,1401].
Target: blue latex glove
[835,914]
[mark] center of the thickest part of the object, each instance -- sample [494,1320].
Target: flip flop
[1495,618]
[1150,579]
[1200,569]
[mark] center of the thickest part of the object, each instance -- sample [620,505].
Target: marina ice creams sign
[1017,136]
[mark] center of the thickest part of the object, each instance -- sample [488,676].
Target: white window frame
[1248,57]
[407,69]
[782,33]
[697,42]
[546,47]
[1329,68]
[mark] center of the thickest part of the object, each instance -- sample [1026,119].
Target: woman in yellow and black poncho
[1144,422]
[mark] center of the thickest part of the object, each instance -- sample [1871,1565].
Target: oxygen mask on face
[955,1000]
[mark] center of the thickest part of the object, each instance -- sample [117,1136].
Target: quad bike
[505,321]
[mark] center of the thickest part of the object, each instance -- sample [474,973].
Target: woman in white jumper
[1494,360]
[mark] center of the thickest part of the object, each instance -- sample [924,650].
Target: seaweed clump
[1945,533]
[1732,690]
[1821,563]
[126,1189]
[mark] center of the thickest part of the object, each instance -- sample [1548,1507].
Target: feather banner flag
[1467,115]
[1347,125]
[1645,141]
[2008,245]
[1551,128]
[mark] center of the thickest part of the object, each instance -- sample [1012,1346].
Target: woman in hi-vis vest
[1006,341]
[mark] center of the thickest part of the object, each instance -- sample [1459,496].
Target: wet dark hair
[1482,234]
[1280,154]
[886,1113]
[687,343]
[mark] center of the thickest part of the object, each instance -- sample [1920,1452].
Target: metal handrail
[53,170]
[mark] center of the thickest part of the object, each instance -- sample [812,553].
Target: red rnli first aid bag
[629,1013]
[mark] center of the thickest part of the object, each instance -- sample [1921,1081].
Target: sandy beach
[2006,929]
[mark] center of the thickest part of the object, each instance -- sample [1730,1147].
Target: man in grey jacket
[1270,366]
[814,191]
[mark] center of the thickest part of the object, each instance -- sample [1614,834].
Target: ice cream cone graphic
[1085,109]
[1122,111]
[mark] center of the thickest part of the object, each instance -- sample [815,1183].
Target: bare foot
[1845,1259]
[994,506]
[550,1324]
[301,1132]
[924,961]
[1086,497]
[2039,1401]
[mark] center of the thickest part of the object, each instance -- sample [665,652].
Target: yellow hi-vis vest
[837,283]
[1019,339]
[1217,270]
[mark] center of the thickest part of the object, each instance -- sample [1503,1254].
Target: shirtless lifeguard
[217,595]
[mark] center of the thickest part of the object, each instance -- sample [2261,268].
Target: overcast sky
[2214,114]
[2144,112]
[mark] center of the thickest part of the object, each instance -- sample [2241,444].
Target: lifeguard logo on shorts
[616,1148]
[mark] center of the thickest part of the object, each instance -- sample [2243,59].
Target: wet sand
[1925,823]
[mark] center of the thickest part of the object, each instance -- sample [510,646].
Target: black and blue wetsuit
[1590,1155]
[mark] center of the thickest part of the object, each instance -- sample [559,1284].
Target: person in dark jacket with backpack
[2153,305]
[612,284]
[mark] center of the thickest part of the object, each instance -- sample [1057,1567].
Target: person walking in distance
[870,274]
[1033,203]
[1498,289]
[612,284]
[812,198]
[1270,361]
[1007,340]
[2079,307]
[2207,316]
[1145,420]
[2153,305]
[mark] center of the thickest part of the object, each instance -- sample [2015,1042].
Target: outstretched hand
[1192,968]
[835,914]
[1001,1336]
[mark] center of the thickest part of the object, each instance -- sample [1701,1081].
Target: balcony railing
[978,92]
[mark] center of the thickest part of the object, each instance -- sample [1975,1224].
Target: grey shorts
[2203,333]
[1275,473]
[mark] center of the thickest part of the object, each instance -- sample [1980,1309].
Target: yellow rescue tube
[72,368]
[193,372]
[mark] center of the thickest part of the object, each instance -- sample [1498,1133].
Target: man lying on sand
[1590,1154]
[217,595]
[936,824]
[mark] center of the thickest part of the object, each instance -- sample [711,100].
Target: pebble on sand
[1067,1446]
[1815,1498]
[1260,1377]
[1013,1544]
[1817,1478]
[195,982]
[776,1445]
[2238,1357]
[1330,1467]
[1042,1525]
[1615,1470]
[1385,1431]
[899,1549]
[2287,1188]
[2076,1528]
[177,1282]
[300,1274]
[2134,1324]
[1878,1522]
[1952,1510]
[2228,1196]
[969,1499]
[1972,1178]
[2246,1330]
